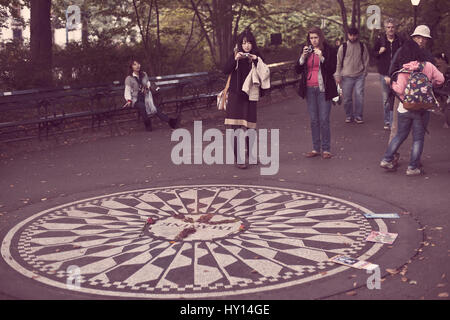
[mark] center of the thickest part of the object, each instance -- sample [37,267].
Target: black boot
[238,165]
[148,125]
[174,122]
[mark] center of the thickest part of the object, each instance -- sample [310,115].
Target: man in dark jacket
[385,48]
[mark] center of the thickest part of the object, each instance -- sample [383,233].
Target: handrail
[159,80]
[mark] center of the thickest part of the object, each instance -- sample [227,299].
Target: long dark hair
[130,68]
[248,35]
[411,51]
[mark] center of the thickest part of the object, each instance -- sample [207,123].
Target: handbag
[222,96]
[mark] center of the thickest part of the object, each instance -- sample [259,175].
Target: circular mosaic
[190,241]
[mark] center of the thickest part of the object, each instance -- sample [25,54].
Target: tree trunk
[85,24]
[158,40]
[41,42]
[223,20]
[344,16]
[354,13]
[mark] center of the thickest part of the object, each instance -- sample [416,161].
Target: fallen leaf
[355,284]
[404,279]
[44,199]
[443,295]
[441,285]
[323,273]
[351,293]
[392,271]
[414,282]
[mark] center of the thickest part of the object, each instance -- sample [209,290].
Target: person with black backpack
[351,72]
[413,85]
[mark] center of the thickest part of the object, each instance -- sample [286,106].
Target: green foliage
[176,42]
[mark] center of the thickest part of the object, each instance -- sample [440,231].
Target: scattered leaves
[392,271]
[443,295]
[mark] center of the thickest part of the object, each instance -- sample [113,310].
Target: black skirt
[240,111]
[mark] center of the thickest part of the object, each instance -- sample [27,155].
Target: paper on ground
[382,237]
[381,215]
[354,263]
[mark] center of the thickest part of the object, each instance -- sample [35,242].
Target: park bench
[50,110]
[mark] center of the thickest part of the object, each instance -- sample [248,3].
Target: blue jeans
[418,122]
[348,84]
[388,114]
[319,113]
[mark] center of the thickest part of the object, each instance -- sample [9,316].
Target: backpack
[419,91]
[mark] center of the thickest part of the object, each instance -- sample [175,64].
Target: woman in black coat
[240,111]
[317,64]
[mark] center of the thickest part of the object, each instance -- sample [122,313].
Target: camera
[246,55]
[310,49]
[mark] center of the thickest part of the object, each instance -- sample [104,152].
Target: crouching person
[138,94]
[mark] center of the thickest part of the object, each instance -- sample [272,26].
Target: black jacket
[328,68]
[384,59]
[238,75]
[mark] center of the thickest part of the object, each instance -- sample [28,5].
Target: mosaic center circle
[218,226]
[190,241]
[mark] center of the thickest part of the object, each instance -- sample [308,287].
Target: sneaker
[312,154]
[387,126]
[326,155]
[359,120]
[414,172]
[348,120]
[387,164]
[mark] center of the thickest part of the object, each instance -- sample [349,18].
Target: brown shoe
[326,155]
[312,154]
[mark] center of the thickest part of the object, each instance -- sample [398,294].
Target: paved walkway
[81,208]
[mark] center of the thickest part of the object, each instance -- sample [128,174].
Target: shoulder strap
[362,55]
[344,48]
[362,50]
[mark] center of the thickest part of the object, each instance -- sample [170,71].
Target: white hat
[422,30]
